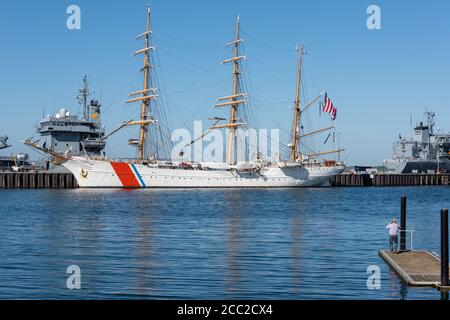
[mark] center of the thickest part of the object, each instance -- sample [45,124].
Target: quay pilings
[389,180]
[46,180]
[37,180]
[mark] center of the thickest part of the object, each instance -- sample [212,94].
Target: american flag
[329,107]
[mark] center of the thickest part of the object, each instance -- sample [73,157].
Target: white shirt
[393,229]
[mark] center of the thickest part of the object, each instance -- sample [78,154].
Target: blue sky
[377,79]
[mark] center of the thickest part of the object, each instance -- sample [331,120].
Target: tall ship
[153,167]
[426,152]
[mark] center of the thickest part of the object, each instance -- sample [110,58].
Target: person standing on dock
[393,235]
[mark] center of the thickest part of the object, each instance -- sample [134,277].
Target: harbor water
[209,244]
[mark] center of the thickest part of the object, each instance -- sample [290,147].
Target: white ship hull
[107,174]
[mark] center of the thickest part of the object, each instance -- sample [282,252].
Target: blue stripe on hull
[138,175]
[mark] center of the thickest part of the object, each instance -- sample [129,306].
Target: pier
[23,180]
[389,180]
[420,267]
[38,180]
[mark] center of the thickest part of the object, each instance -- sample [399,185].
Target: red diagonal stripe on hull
[125,174]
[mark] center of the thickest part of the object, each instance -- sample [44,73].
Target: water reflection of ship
[234,244]
[145,250]
[240,243]
[296,247]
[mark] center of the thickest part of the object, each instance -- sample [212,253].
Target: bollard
[403,224]
[444,247]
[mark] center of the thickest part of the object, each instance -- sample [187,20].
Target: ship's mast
[236,98]
[295,134]
[83,97]
[147,92]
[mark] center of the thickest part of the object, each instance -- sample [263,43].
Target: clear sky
[376,78]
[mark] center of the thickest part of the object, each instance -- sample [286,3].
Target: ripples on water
[209,244]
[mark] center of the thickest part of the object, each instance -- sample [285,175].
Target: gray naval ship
[426,152]
[18,162]
[76,134]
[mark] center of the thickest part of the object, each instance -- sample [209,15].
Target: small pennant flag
[329,107]
[148,8]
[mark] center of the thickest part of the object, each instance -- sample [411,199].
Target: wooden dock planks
[420,268]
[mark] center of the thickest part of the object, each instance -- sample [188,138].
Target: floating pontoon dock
[419,268]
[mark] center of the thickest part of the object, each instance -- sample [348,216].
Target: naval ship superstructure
[74,134]
[18,162]
[426,152]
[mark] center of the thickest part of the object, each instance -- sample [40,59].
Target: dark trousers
[393,243]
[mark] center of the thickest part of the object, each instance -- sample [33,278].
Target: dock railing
[411,238]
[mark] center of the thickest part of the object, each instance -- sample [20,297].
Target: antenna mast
[146,97]
[295,135]
[82,97]
[236,98]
